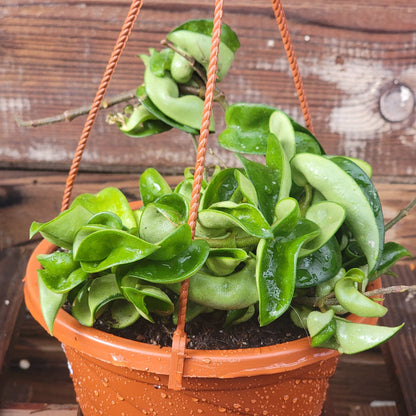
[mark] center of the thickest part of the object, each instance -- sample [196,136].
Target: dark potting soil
[206,332]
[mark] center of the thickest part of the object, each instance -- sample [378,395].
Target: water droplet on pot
[286,397]
[253,401]
[164,395]
[206,360]
[222,409]
[294,400]
[199,410]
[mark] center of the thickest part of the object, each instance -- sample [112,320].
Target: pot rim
[146,357]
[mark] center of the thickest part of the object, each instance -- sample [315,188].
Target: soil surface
[206,332]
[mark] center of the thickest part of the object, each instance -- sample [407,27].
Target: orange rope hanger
[179,338]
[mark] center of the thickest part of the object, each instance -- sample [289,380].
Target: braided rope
[287,43]
[179,337]
[112,63]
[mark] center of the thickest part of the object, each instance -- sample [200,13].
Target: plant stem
[71,114]
[402,213]
[219,95]
[330,299]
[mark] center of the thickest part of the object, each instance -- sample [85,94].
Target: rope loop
[92,115]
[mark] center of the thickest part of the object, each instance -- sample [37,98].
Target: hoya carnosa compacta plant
[293,229]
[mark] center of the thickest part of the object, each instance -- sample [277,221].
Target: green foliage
[291,223]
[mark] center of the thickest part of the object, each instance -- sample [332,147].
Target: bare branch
[402,213]
[70,115]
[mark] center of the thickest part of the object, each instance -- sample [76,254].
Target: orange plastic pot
[113,376]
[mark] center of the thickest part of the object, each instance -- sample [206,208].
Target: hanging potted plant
[291,234]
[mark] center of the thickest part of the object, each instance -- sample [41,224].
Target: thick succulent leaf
[152,185]
[63,283]
[362,164]
[319,266]
[109,219]
[205,27]
[276,263]
[184,188]
[194,37]
[58,262]
[146,299]
[238,316]
[174,206]
[154,110]
[392,252]
[305,143]
[174,244]
[362,214]
[350,298]
[160,61]
[247,128]
[277,159]
[123,314]
[329,216]
[325,335]
[246,188]
[99,248]
[299,315]
[223,187]
[103,290]
[369,191]
[236,291]
[179,268]
[142,123]
[300,133]
[61,230]
[317,321]
[156,225]
[50,303]
[280,125]
[80,307]
[266,181]
[165,95]
[228,215]
[223,261]
[108,199]
[192,311]
[354,337]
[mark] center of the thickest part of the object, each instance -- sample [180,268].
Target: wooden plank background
[53,54]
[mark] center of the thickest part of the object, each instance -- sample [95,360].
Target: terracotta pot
[113,376]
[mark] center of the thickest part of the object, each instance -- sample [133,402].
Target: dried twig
[402,213]
[70,115]
[330,299]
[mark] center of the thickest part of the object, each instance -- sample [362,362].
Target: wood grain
[53,55]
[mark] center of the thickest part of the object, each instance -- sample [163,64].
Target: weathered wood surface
[350,54]
[12,265]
